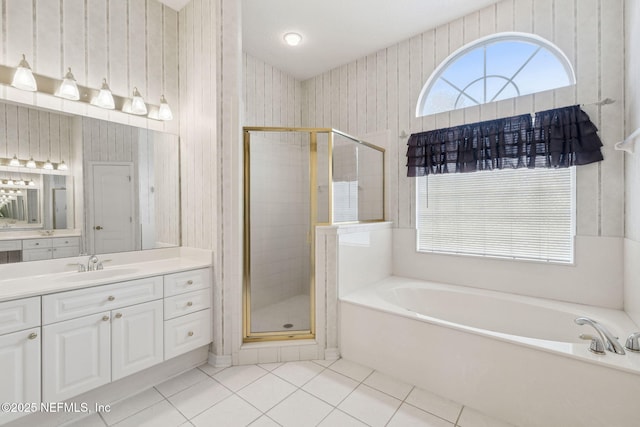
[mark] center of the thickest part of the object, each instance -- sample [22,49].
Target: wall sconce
[23,77]
[62,166]
[14,161]
[31,164]
[47,165]
[105,97]
[164,112]
[137,104]
[68,88]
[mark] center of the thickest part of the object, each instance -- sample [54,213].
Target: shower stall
[294,180]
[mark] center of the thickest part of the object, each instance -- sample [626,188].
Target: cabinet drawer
[190,302]
[186,333]
[19,314]
[36,243]
[10,245]
[67,305]
[186,281]
[65,251]
[62,242]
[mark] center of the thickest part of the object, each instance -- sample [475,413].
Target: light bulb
[164,112]
[31,164]
[14,161]
[68,88]
[23,77]
[137,104]
[105,97]
[48,165]
[62,166]
[32,183]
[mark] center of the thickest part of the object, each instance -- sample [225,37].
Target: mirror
[120,192]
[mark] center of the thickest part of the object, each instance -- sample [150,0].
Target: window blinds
[512,213]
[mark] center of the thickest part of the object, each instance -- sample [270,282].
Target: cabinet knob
[118,315]
[33,336]
[105,318]
[97,227]
[37,244]
[189,282]
[189,304]
[111,298]
[190,333]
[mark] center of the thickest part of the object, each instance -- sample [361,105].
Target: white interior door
[113,224]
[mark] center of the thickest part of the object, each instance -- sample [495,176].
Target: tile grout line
[459,416]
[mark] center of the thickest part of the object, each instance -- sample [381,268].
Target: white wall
[632,163]
[380,92]
[128,42]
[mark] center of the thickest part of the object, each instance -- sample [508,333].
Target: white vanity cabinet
[19,353]
[63,344]
[122,335]
[51,248]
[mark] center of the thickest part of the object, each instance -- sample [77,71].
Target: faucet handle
[100,266]
[632,343]
[597,346]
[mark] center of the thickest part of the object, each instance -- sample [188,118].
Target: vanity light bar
[32,164]
[23,78]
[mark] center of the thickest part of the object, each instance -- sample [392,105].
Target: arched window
[494,68]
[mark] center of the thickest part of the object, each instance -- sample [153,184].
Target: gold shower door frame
[247,335]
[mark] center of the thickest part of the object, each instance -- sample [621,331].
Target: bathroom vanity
[65,333]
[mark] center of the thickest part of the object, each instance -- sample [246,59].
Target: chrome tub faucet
[610,342]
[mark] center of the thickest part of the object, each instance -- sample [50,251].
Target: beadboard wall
[632,163]
[211,150]
[380,91]
[26,132]
[128,42]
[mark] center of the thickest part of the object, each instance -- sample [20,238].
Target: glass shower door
[277,298]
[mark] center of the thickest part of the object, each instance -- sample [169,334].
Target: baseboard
[219,361]
[332,353]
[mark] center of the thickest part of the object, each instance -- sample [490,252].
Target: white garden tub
[517,358]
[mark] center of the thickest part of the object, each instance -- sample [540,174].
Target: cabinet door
[36,254]
[19,369]
[136,338]
[77,356]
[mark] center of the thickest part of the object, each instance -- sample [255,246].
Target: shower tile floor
[293,311]
[318,393]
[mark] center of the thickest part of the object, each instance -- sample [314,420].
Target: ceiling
[336,32]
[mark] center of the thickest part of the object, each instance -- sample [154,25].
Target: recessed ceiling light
[292,39]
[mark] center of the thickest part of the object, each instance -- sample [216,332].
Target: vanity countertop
[113,272]
[35,234]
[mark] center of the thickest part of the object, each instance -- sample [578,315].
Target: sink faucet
[92,262]
[610,342]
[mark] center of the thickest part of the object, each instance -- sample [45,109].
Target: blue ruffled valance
[561,137]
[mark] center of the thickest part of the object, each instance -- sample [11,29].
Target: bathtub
[514,357]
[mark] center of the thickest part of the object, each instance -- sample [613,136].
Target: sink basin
[98,274]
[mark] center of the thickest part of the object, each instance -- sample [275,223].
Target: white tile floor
[319,393]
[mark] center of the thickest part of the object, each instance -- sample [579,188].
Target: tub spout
[610,342]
